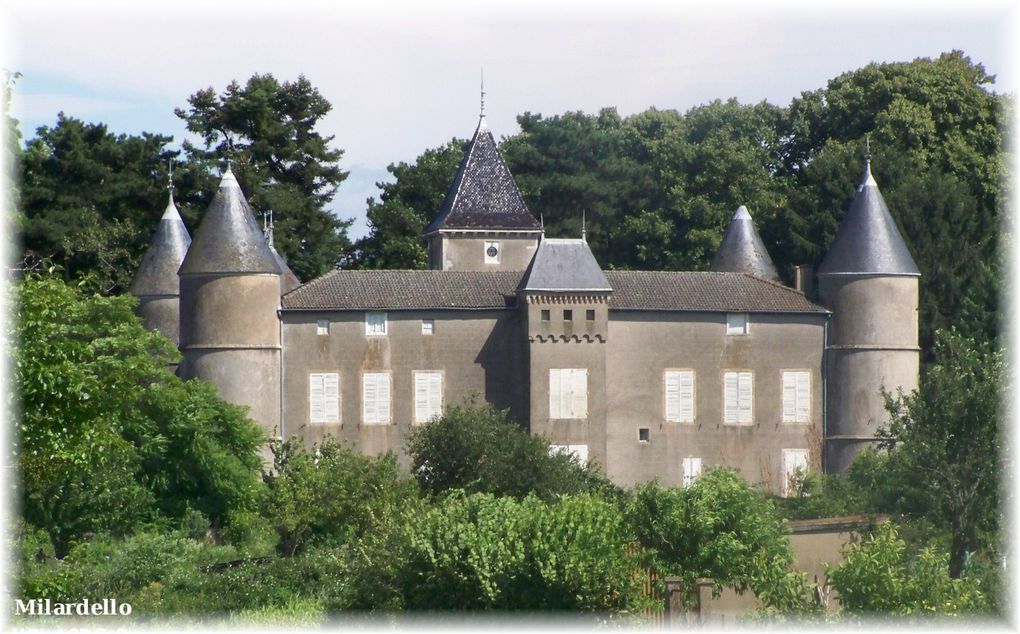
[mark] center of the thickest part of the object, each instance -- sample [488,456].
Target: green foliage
[405,207]
[331,494]
[719,528]
[866,487]
[104,426]
[877,577]
[481,450]
[945,443]
[267,131]
[485,552]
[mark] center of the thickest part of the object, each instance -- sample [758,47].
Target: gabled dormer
[483,224]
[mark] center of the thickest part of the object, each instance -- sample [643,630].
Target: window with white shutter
[794,461]
[324,397]
[692,471]
[678,386]
[375,398]
[375,323]
[568,393]
[428,396]
[577,452]
[796,397]
[322,327]
[738,397]
[428,326]
[737,324]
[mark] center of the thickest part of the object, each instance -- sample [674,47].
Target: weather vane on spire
[867,148]
[481,112]
[170,176]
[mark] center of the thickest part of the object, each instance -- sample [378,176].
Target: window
[428,326]
[322,327]
[324,397]
[692,471]
[643,434]
[796,397]
[679,390]
[492,252]
[428,395]
[568,393]
[589,314]
[795,461]
[545,315]
[375,398]
[737,324]
[737,397]
[577,452]
[568,315]
[375,323]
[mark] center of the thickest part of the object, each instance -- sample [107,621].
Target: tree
[266,130]
[405,207]
[104,426]
[90,199]
[330,493]
[481,450]
[878,577]
[945,444]
[719,528]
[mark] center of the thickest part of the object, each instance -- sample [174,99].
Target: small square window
[428,326]
[375,323]
[568,315]
[643,434]
[590,314]
[737,324]
[545,315]
[322,327]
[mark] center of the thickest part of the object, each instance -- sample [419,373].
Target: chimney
[804,279]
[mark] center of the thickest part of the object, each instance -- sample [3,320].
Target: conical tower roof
[742,251]
[484,194]
[228,240]
[867,241]
[157,274]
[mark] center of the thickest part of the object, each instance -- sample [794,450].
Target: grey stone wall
[465,252]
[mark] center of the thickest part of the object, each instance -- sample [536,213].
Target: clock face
[491,252]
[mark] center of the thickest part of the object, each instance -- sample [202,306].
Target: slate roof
[228,240]
[867,241]
[632,290]
[157,274]
[564,265]
[742,251]
[483,194]
[288,280]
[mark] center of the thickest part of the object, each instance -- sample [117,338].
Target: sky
[403,77]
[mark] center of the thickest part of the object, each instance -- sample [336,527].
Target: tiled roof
[360,290]
[742,251]
[483,194]
[564,265]
[867,241]
[632,290]
[703,291]
[157,274]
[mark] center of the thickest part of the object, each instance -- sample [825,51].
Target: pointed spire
[867,241]
[228,240]
[742,251]
[157,274]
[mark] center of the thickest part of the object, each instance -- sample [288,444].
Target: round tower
[230,297]
[155,283]
[742,251]
[870,283]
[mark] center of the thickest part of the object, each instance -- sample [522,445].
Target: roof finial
[541,222]
[584,226]
[868,178]
[481,112]
[170,176]
[267,227]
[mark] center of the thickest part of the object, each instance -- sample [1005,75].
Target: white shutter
[730,382]
[672,388]
[383,403]
[793,459]
[555,393]
[745,394]
[692,470]
[435,394]
[331,397]
[376,398]
[789,397]
[316,398]
[803,397]
[687,397]
[369,394]
[428,396]
[579,394]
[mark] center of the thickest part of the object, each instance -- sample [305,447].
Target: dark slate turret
[867,240]
[155,283]
[870,283]
[742,251]
[230,298]
[483,223]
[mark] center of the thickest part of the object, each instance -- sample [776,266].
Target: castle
[649,374]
